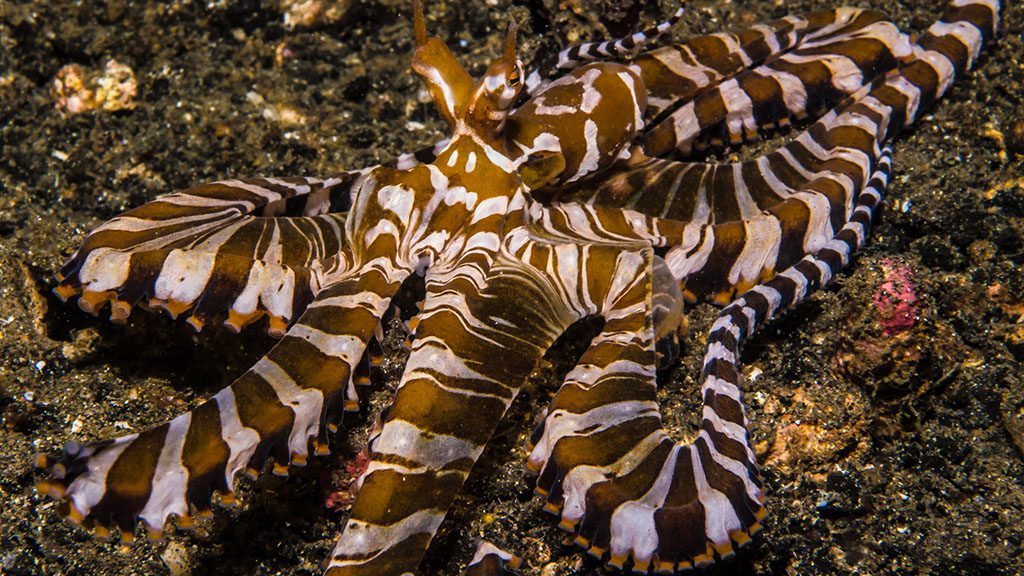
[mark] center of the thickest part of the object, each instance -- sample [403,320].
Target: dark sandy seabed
[884,454]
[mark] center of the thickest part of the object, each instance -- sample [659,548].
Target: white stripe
[362,539]
[942,66]
[739,107]
[434,451]
[719,516]
[345,347]
[183,276]
[719,386]
[88,489]
[241,441]
[104,269]
[577,482]
[686,126]
[794,92]
[763,236]
[632,524]
[170,478]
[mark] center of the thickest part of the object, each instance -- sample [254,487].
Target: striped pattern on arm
[287,401]
[236,248]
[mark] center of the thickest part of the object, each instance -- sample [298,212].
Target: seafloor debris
[278,113]
[1011,140]
[994,191]
[991,131]
[895,298]
[343,489]
[82,347]
[812,436]
[176,559]
[37,302]
[1015,137]
[310,13]
[893,342]
[1009,327]
[77,90]
[813,447]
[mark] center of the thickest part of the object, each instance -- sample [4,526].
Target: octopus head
[479,107]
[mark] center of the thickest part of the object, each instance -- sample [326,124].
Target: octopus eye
[513,80]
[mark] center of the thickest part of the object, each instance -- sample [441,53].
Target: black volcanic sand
[884,453]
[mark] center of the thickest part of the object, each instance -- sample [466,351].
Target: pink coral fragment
[77,90]
[895,298]
[344,486]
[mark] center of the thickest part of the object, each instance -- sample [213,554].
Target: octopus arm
[474,346]
[813,76]
[289,400]
[218,250]
[631,495]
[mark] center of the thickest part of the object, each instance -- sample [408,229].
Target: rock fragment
[78,90]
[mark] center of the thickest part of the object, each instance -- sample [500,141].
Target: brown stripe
[296,246]
[978,14]
[160,210]
[387,496]
[578,400]
[794,217]
[604,498]
[205,455]
[222,192]
[129,481]
[754,44]
[438,411]
[758,188]
[143,270]
[599,448]
[713,53]
[684,196]
[259,409]
[765,94]
[897,102]
[400,558]
[228,279]
[710,110]
[951,47]
[722,195]
[836,196]
[245,239]
[310,368]
[713,277]
[726,407]
[681,520]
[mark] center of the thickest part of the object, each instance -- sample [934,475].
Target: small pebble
[1015,137]
[311,13]
[175,557]
[981,251]
[82,347]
